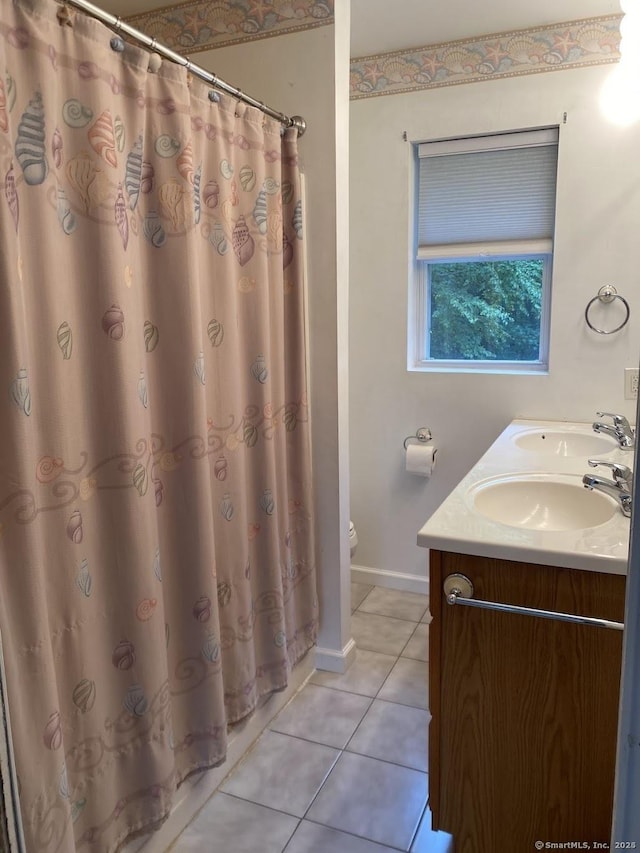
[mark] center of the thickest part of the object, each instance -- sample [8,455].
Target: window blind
[494,189]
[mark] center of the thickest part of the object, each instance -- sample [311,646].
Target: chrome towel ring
[607,294]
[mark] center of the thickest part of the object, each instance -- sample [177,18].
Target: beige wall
[598,211]
[306,73]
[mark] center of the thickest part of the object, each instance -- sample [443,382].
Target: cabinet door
[523,735]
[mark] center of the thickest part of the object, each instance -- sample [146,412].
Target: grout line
[330,745]
[262,805]
[341,690]
[360,603]
[377,651]
[353,835]
[377,695]
[335,764]
[373,758]
[344,748]
[387,616]
[422,816]
[408,641]
[388,761]
[402,653]
[324,782]
[341,750]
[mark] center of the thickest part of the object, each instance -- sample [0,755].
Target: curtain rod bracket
[299,123]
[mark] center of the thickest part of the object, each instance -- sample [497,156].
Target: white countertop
[456,526]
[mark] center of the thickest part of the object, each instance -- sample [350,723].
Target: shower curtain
[156,537]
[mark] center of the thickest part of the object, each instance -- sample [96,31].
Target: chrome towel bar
[458,589]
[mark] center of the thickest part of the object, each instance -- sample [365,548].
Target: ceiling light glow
[620,94]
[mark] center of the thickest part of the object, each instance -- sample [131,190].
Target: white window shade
[498,189]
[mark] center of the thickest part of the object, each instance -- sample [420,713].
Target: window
[484,225]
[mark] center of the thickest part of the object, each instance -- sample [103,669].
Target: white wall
[597,237]
[306,73]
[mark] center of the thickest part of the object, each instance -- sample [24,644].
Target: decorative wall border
[574,44]
[195,26]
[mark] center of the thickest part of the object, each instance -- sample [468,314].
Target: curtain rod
[117,24]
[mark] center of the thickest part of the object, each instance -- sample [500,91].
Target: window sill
[481,368]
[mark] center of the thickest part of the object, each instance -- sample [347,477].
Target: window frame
[422,315]
[419,314]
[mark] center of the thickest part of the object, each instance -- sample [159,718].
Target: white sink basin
[541,502]
[565,443]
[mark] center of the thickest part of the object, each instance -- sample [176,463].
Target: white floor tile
[395,733]
[380,633]
[313,838]
[396,603]
[227,824]
[418,646]
[365,676]
[427,841]
[359,591]
[369,798]
[322,715]
[281,772]
[407,684]
[373,799]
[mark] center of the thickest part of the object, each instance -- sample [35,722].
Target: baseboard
[391,580]
[196,790]
[336,661]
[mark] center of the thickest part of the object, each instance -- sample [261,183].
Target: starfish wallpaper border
[195,26]
[574,44]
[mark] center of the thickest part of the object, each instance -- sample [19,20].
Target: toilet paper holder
[422,435]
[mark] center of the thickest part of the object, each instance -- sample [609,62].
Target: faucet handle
[618,420]
[622,474]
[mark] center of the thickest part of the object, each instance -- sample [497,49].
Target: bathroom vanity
[524,709]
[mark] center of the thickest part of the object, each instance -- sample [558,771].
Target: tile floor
[343,767]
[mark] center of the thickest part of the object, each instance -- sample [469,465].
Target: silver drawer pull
[458,589]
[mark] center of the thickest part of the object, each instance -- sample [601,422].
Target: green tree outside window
[486,310]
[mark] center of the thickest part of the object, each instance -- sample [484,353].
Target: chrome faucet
[619,488]
[620,429]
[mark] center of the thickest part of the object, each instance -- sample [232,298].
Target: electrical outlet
[631,383]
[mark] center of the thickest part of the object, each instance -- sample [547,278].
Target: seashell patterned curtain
[156,537]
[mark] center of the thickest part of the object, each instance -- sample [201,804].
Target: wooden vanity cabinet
[524,710]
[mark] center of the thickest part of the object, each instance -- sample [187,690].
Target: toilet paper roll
[421,459]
